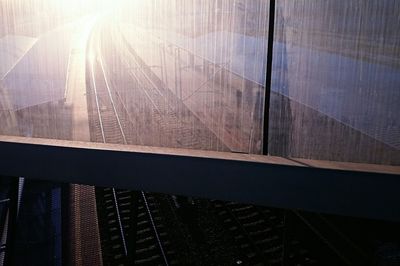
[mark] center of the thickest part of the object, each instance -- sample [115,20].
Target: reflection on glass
[176,73]
[336,81]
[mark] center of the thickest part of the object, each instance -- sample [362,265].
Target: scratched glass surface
[336,81]
[191,74]
[167,73]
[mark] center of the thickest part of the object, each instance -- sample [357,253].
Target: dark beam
[204,174]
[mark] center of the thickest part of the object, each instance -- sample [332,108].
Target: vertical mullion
[268,82]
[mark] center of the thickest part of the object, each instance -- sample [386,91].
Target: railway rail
[116,204]
[151,229]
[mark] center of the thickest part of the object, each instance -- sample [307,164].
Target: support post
[268,82]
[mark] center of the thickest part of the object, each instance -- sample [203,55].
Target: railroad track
[259,235]
[178,126]
[139,227]
[131,228]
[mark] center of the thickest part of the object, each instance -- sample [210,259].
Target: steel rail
[104,141]
[125,142]
[155,228]
[138,80]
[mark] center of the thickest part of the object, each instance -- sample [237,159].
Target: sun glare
[91,6]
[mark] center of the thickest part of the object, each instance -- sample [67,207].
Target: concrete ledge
[360,190]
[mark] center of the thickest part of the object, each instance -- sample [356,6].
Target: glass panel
[336,78]
[176,73]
